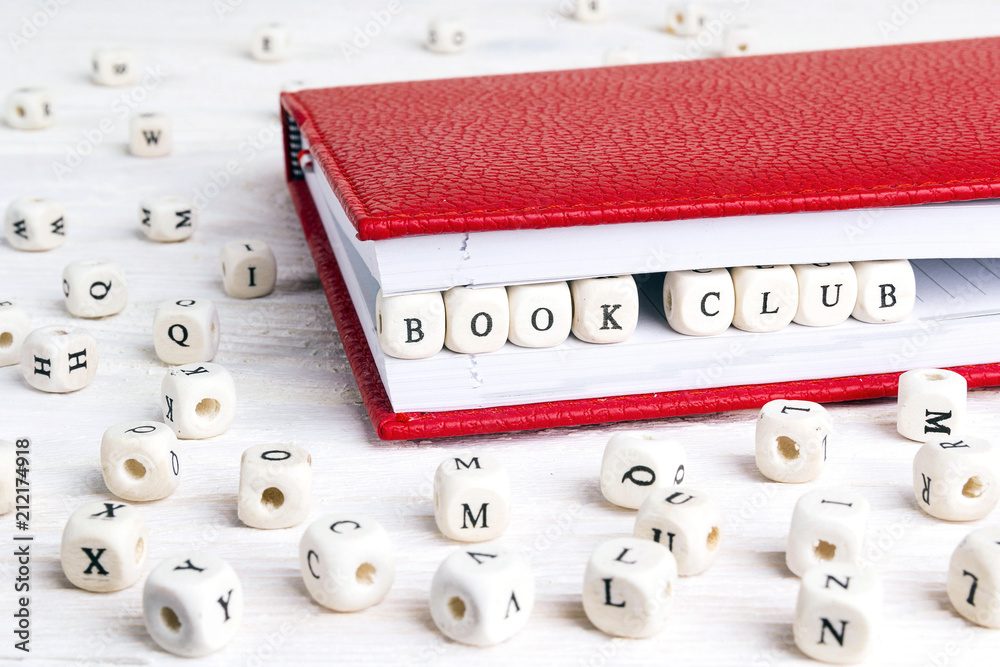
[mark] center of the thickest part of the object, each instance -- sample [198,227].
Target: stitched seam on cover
[364,205]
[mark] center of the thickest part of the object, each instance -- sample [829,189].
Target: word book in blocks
[536,250]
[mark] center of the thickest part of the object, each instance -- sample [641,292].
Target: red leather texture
[419,425]
[720,137]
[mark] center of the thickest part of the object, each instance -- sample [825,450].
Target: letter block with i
[839,613]
[410,326]
[932,404]
[249,269]
[471,498]
[629,586]
[192,604]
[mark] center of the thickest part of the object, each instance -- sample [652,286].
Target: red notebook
[817,131]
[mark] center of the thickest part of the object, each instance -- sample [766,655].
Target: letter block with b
[186,331]
[887,291]
[636,464]
[839,613]
[932,404]
[104,546]
[471,498]
[410,326]
[192,604]
[628,587]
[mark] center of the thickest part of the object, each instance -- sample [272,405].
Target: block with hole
[14,328]
[347,562]
[740,40]
[828,526]
[956,479]
[687,522]
[838,615]
[275,486]
[685,19]
[931,404]
[192,604]
[482,596]
[637,464]
[104,546]
[29,109]
[472,500]
[629,587]
[791,439]
[974,577]
[139,460]
[198,400]
[59,359]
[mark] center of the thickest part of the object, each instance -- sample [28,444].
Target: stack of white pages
[954,249]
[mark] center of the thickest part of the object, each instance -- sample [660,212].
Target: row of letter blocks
[700,302]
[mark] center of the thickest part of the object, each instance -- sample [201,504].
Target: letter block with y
[839,613]
[192,604]
[104,546]
[471,498]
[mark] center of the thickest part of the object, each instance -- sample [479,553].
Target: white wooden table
[295,385]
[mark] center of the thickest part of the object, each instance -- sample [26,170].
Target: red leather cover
[391,425]
[720,137]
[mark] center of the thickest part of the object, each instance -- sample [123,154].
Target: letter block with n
[838,616]
[471,497]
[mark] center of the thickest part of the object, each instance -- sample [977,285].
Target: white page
[439,261]
[956,322]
